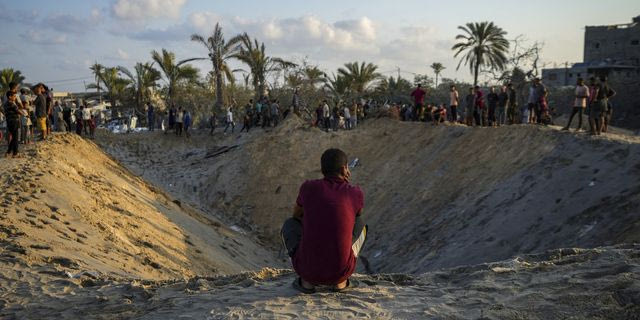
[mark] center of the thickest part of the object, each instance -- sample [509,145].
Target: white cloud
[123,55]
[40,38]
[144,9]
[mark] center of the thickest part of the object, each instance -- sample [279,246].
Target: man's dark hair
[332,161]
[509,85]
[419,85]
[603,78]
[477,87]
[12,85]
[13,93]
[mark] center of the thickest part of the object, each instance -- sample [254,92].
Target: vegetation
[481,45]
[174,72]
[7,76]
[437,68]
[220,51]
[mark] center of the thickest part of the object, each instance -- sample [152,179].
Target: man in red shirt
[418,97]
[325,234]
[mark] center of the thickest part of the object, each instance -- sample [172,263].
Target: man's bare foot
[341,285]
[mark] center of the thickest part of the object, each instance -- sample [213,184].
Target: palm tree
[219,52]
[437,68]
[174,72]
[8,76]
[359,76]
[337,87]
[97,71]
[260,64]
[113,83]
[144,79]
[485,46]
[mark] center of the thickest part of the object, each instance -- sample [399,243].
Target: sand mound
[68,209]
[561,284]
[435,196]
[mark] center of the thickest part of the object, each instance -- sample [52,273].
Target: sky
[56,41]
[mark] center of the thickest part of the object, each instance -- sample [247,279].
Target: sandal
[297,284]
[350,285]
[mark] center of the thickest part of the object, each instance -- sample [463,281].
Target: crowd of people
[32,115]
[499,106]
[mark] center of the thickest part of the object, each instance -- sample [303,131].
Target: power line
[67,80]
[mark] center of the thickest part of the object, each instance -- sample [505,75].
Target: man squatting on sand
[326,233]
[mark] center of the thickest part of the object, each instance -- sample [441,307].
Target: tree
[252,53]
[437,68]
[219,52]
[7,76]
[174,72]
[144,79]
[337,87]
[359,76]
[483,45]
[97,70]
[114,84]
[394,89]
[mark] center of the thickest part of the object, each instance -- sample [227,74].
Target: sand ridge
[600,283]
[69,205]
[434,196]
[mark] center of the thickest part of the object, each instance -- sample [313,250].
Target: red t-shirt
[324,255]
[418,95]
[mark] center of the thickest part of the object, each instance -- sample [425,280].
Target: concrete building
[612,50]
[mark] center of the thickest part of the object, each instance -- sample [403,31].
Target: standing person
[335,114]
[599,106]
[529,116]
[579,104]
[469,103]
[319,115]
[347,117]
[172,118]
[326,115]
[24,116]
[492,99]
[66,116]
[58,115]
[213,121]
[479,110]
[607,118]
[179,121]
[541,100]
[513,104]
[266,114]
[151,116]
[454,100]
[275,112]
[49,98]
[41,110]
[354,115]
[295,102]
[258,112]
[12,116]
[86,118]
[418,100]
[326,233]
[187,123]
[229,121]
[503,103]
[92,126]
[246,121]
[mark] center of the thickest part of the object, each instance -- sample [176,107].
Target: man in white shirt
[229,121]
[582,95]
[326,114]
[347,117]
[453,103]
[86,118]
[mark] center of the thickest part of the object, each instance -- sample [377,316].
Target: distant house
[613,51]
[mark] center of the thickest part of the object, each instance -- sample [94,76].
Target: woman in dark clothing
[12,113]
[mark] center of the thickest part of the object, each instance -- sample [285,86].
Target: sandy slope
[435,196]
[560,284]
[70,208]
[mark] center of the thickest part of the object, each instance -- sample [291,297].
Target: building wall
[559,77]
[620,43]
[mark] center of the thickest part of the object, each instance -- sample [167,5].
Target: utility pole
[398,72]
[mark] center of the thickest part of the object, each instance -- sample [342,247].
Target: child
[92,126]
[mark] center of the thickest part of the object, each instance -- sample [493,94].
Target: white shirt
[326,112]
[229,116]
[582,94]
[347,113]
[86,114]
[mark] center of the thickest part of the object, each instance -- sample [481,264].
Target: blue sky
[58,40]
